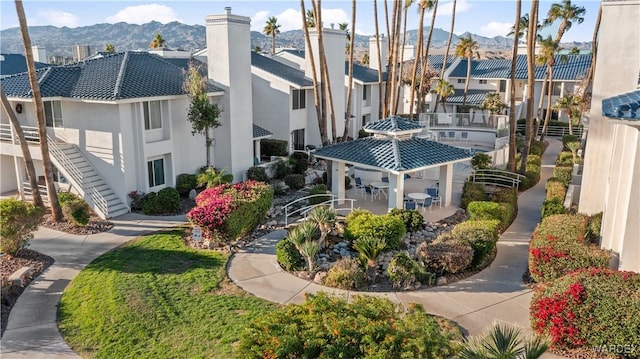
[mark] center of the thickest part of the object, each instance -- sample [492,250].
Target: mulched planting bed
[95,225]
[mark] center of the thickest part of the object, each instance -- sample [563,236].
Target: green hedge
[77,211]
[18,221]
[563,173]
[481,235]
[249,212]
[288,256]
[319,189]
[491,210]
[558,247]
[299,162]
[404,272]
[386,226]
[412,219]
[472,192]
[556,188]
[566,139]
[597,309]
[294,181]
[564,159]
[257,174]
[552,206]
[165,201]
[269,147]
[185,182]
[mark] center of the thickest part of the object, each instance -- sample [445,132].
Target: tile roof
[280,70]
[123,75]
[474,97]
[16,63]
[393,155]
[259,132]
[435,63]
[570,67]
[363,73]
[391,125]
[623,106]
[299,53]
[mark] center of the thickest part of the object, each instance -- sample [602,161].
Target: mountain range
[59,41]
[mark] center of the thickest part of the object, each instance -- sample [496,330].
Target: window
[297,137]
[298,99]
[482,82]
[53,113]
[503,85]
[461,81]
[557,87]
[365,88]
[152,115]
[155,170]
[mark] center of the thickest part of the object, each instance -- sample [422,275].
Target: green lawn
[156,298]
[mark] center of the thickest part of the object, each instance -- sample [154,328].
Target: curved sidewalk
[32,330]
[497,294]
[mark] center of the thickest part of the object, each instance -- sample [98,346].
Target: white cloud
[495,28]
[258,20]
[291,19]
[446,9]
[55,18]
[141,14]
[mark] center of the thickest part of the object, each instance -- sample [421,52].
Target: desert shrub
[489,210]
[256,173]
[211,177]
[278,189]
[593,227]
[412,219]
[472,192]
[480,161]
[591,308]
[166,201]
[481,235]
[564,159]
[445,256]
[536,149]
[18,221]
[64,197]
[318,189]
[558,247]
[355,214]
[77,211]
[532,177]
[185,182]
[299,162]
[270,147]
[563,173]
[282,169]
[404,272]
[294,181]
[509,197]
[346,273]
[552,206]
[567,139]
[534,160]
[386,226]
[555,188]
[288,256]
[330,327]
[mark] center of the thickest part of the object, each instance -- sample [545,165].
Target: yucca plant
[305,237]
[310,249]
[325,218]
[573,147]
[503,342]
[369,249]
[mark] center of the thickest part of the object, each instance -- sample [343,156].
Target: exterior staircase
[72,163]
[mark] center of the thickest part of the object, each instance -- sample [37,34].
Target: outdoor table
[381,186]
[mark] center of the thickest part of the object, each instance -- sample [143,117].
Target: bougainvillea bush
[230,211]
[559,247]
[592,308]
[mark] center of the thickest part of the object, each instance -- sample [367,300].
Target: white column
[396,191]
[337,182]
[256,149]
[20,169]
[446,184]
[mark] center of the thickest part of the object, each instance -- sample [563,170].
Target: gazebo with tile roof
[393,148]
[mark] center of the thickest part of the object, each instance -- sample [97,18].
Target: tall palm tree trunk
[56,211]
[24,147]
[446,54]
[511,164]
[531,47]
[594,50]
[322,125]
[543,89]
[419,57]
[547,115]
[425,59]
[326,80]
[400,72]
[273,42]
[347,120]
[381,109]
[466,82]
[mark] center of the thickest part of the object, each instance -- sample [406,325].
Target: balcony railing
[7,133]
[463,120]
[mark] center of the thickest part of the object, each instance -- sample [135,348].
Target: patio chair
[442,135]
[359,186]
[385,179]
[451,135]
[374,192]
[410,205]
[426,204]
[464,136]
[433,192]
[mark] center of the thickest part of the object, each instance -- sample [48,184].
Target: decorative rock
[320,276]
[441,281]
[193,194]
[271,224]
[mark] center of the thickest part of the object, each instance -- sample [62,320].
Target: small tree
[18,221]
[481,161]
[157,42]
[574,147]
[305,237]
[202,114]
[369,249]
[110,48]
[325,218]
[492,103]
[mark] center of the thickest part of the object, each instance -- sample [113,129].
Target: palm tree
[523,26]
[531,47]
[24,147]
[325,218]
[446,53]
[110,48]
[443,90]
[305,238]
[548,50]
[493,104]
[425,59]
[568,13]
[379,55]
[512,89]
[309,18]
[571,104]
[322,124]
[325,81]
[157,42]
[56,211]
[414,73]
[594,49]
[503,342]
[466,48]
[347,120]
[272,28]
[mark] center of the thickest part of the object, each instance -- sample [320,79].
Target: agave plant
[369,249]
[211,177]
[503,342]
[325,218]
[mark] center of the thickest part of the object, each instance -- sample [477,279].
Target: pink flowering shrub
[230,211]
[593,308]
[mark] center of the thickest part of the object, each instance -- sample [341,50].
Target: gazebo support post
[337,183]
[396,191]
[256,150]
[446,184]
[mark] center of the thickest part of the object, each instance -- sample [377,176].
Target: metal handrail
[555,131]
[27,190]
[7,133]
[286,206]
[307,209]
[496,177]
[77,176]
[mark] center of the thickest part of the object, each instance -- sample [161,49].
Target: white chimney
[39,54]
[229,66]
[408,53]
[373,53]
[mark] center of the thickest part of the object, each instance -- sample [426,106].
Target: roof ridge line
[121,73]
[47,71]
[396,154]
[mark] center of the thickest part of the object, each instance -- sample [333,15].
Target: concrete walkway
[497,294]
[32,331]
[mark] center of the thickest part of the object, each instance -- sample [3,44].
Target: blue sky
[484,17]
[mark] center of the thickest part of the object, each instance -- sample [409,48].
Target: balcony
[8,134]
